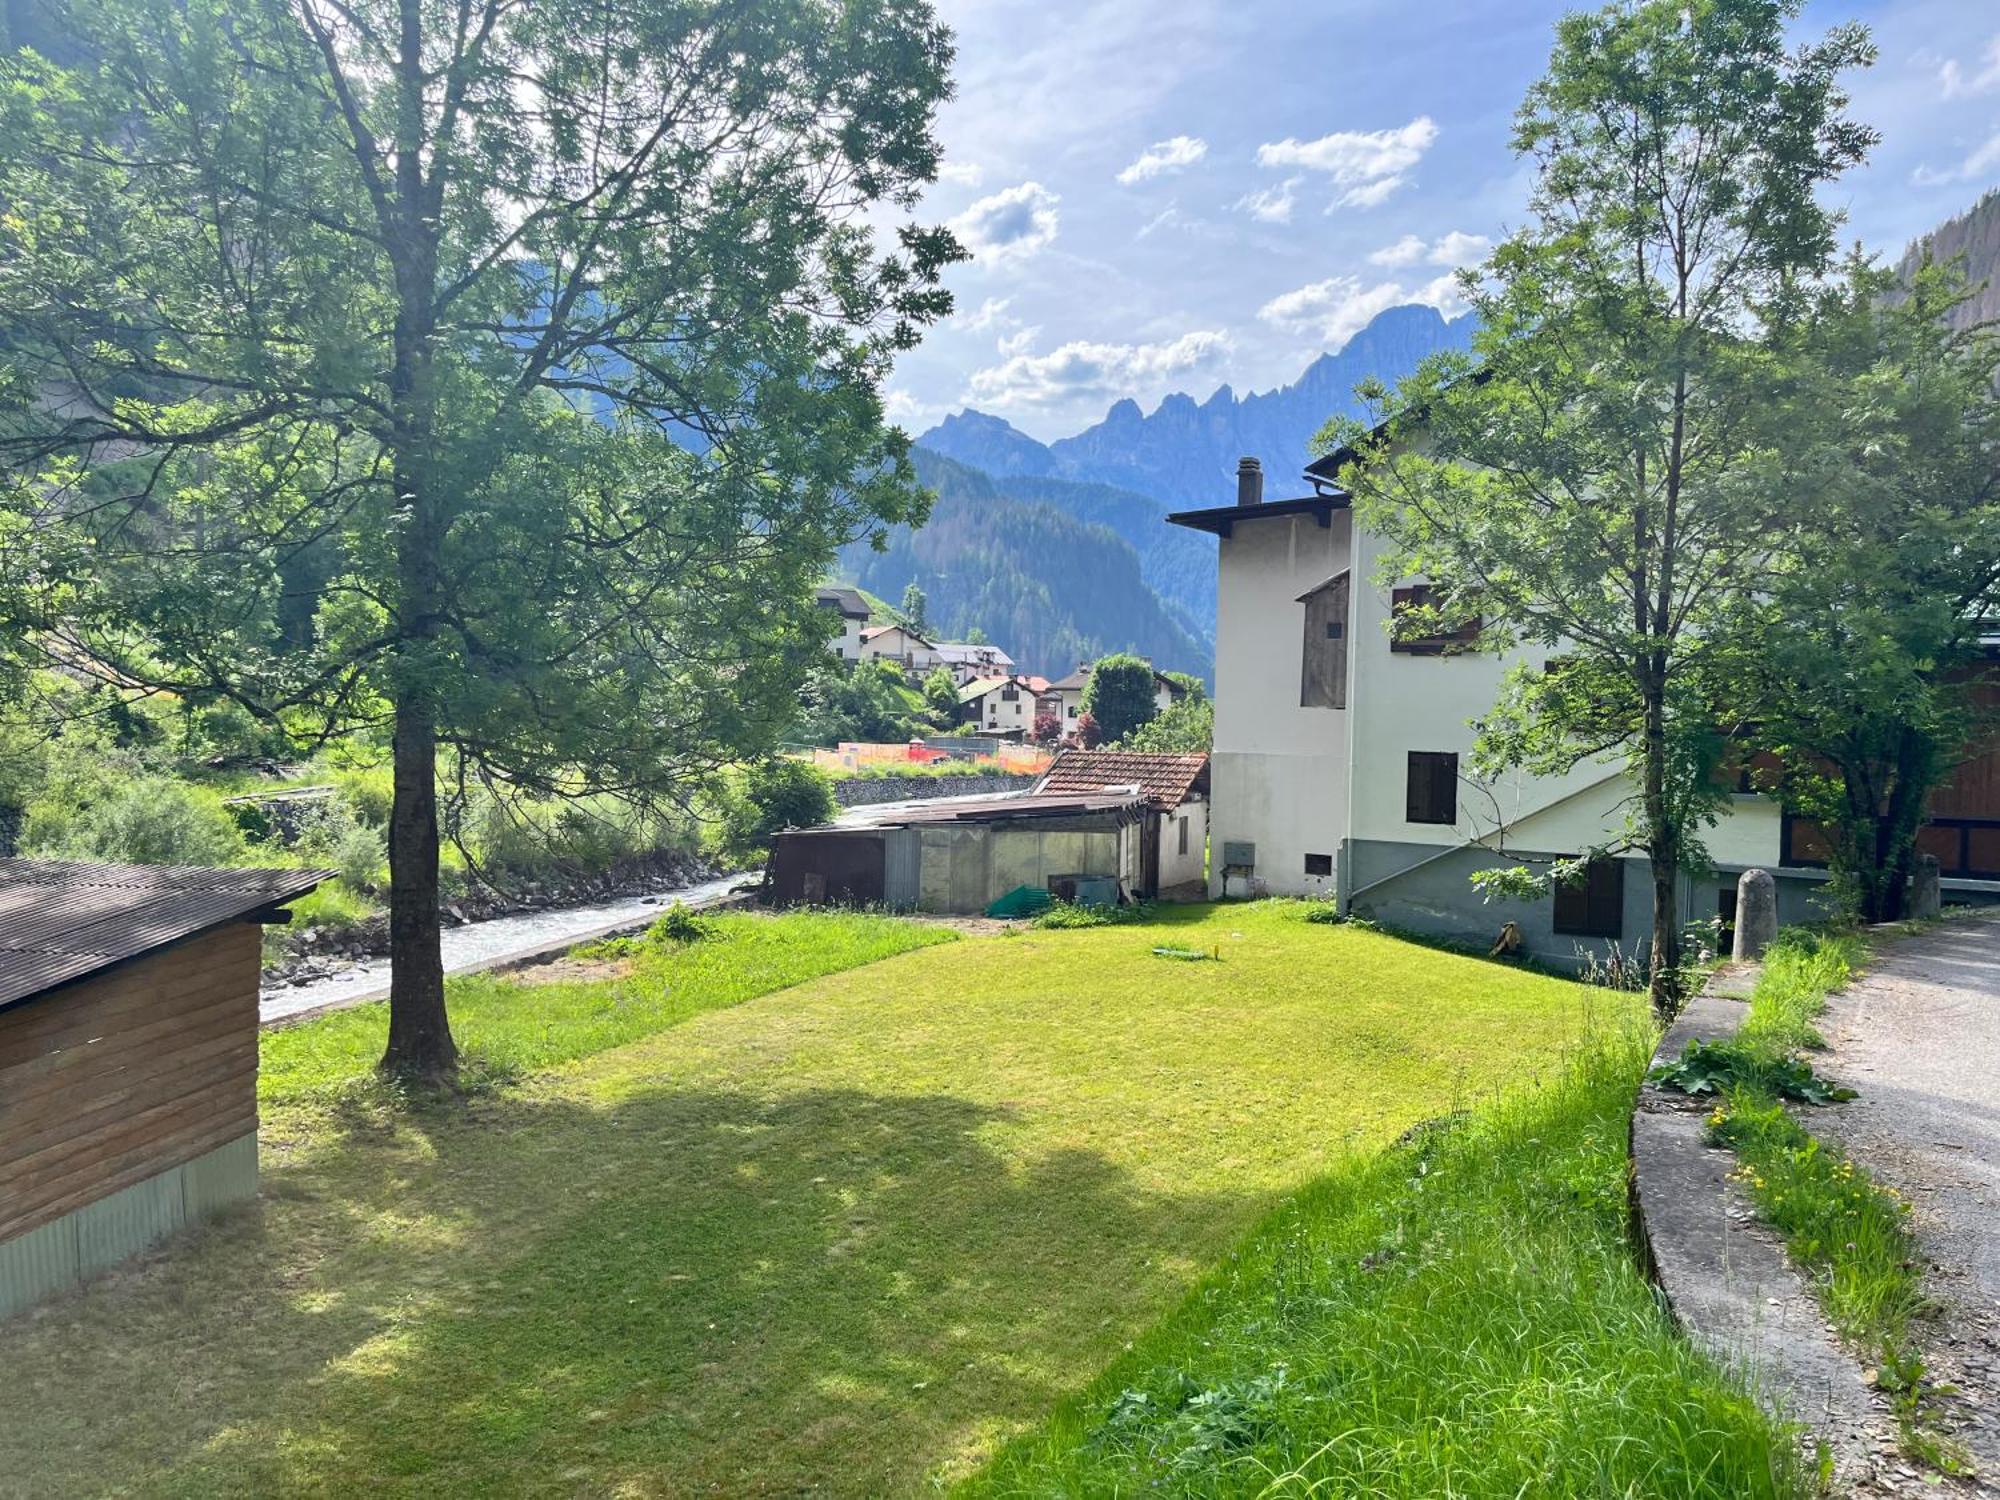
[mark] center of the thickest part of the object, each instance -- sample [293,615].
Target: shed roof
[1164,780]
[1004,807]
[62,921]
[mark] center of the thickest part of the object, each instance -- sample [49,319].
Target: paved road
[479,945]
[1919,1036]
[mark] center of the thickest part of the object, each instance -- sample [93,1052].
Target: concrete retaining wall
[863,791]
[66,1251]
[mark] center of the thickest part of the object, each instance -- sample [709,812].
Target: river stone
[1926,896]
[1756,914]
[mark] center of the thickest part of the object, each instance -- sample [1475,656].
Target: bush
[771,796]
[151,820]
[369,793]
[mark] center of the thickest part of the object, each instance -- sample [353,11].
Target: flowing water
[495,940]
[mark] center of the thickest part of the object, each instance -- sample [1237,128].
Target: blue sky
[1173,194]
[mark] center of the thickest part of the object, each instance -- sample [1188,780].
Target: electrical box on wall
[1239,855]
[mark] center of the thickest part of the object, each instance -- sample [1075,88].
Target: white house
[853,610]
[1065,694]
[966,660]
[1001,705]
[900,645]
[1342,759]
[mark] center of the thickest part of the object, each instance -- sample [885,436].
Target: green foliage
[1186,726]
[1873,616]
[1460,1315]
[869,701]
[1800,969]
[1120,696]
[1716,1067]
[147,820]
[770,796]
[1069,914]
[1600,478]
[915,610]
[941,695]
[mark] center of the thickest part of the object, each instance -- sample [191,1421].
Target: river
[495,941]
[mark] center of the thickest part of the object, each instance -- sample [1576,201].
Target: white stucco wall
[1177,868]
[996,712]
[1279,771]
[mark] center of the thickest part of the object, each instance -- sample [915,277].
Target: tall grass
[508,1027]
[1463,1315]
[1800,969]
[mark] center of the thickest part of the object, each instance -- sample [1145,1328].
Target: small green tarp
[1022,901]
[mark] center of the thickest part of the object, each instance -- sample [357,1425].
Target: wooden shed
[128,1057]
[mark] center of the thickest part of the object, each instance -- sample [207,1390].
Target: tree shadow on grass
[683,1291]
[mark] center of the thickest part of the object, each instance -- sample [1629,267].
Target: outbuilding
[1173,850]
[128,1057]
[958,855]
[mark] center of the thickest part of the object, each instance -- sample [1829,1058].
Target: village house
[967,660]
[1064,699]
[1342,760]
[853,610]
[1173,853]
[900,646]
[998,705]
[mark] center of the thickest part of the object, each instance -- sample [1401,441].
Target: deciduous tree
[1595,480]
[1119,695]
[540,343]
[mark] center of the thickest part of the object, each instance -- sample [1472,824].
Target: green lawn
[848,1237]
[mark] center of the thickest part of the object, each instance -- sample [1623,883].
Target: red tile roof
[1165,780]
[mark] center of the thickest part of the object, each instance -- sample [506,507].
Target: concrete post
[1756,914]
[1926,896]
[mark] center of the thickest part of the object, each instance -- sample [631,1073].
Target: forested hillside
[1975,234]
[1048,585]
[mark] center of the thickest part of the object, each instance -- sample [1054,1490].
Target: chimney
[1249,482]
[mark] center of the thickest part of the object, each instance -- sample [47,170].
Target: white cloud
[1020,341]
[1459,249]
[1336,309]
[1165,156]
[1368,164]
[1009,225]
[1406,251]
[1985,158]
[1272,205]
[964,173]
[1454,249]
[1082,369]
[1959,85]
[989,314]
[907,411]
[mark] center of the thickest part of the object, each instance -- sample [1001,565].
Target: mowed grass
[1460,1316]
[847,1238]
[506,1029]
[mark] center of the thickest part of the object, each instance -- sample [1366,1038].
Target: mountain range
[1060,551]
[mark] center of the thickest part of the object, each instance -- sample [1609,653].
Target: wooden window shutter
[1421,596]
[1431,793]
[1593,904]
[1323,657]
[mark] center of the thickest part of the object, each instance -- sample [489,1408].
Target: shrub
[770,796]
[369,793]
[151,820]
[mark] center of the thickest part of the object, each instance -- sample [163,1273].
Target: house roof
[979,687]
[61,921]
[1220,520]
[1001,808]
[965,651]
[877,630]
[1164,780]
[848,601]
[1080,678]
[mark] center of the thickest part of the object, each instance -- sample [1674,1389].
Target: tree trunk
[1663,852]
[420,1041]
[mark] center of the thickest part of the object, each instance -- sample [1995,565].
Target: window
[1421,596]
[1183,834]
[1593,904]
[1010,694]
[1323,659]
[1432,793]
[1319,864]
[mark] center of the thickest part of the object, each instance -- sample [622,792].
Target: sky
[1168,195]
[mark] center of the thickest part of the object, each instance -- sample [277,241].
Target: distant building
[966,660]
[1065,695]
[853,611]
[998,705]
[900,646]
